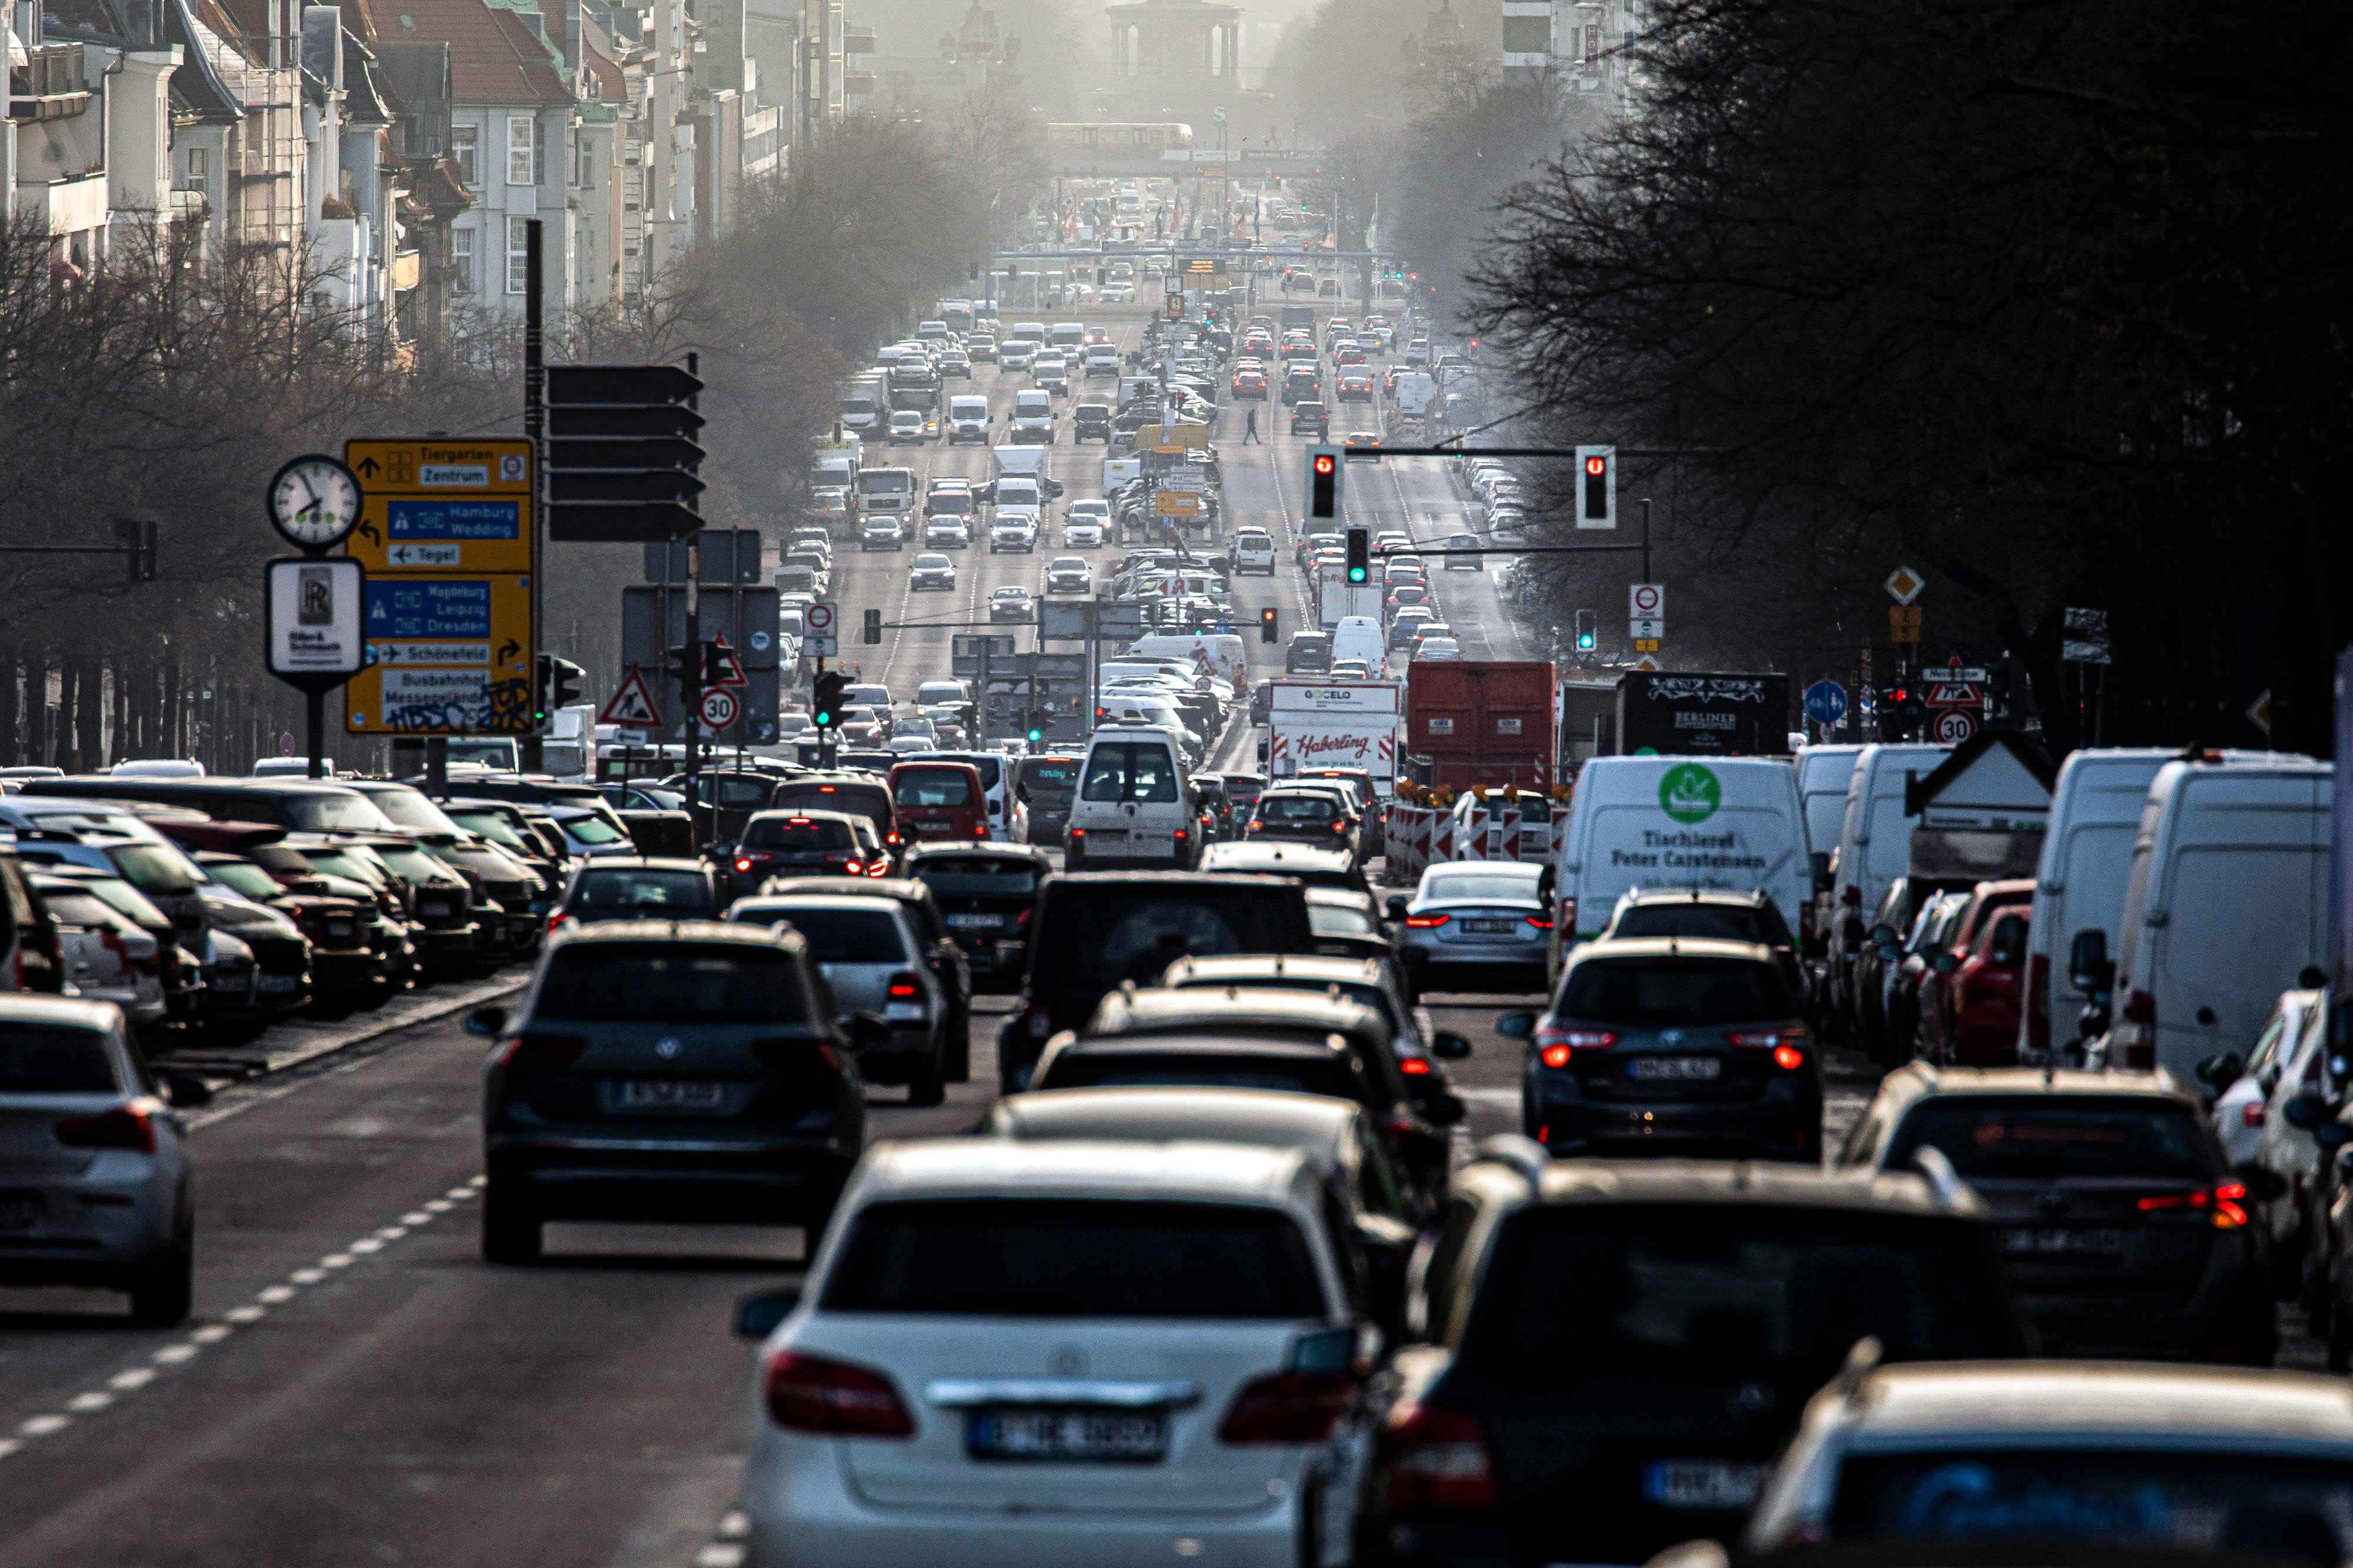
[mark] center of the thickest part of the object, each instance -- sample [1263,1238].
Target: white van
[968,418]
[1822,775]
[1103,359]
[1069,335]
[2226,906]
[1033,416]
[1130,810]
[1874,847]
[1253,551]
[1359,637]
[1217,654]
[1733,824]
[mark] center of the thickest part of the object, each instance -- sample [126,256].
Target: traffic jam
[1208,1036]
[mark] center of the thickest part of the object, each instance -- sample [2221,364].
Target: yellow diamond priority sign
[1903,585]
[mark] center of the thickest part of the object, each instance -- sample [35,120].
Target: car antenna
[1861,1361]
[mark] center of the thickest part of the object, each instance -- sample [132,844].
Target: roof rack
[1861,1361]
[1942,1180]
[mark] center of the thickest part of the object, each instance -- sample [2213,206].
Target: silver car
[1475,925]
[873,958]
[107,957]
[93,1160]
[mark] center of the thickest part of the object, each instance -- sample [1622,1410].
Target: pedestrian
[1249,431]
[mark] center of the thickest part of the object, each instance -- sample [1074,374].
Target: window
[461,259]
[464,140]
[55,1059]
[586,178]
[200,169]
[518,255]
[1120,772]
[673,983]
[523,150]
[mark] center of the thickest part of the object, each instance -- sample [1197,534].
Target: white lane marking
[172,1355]
[390,1232]
[131,1378]
[719,1555]
[212,1334]
[248,1314]
[83,1403]
[364,1245]
[336,1260]
[439,1205]
[418,1217]
[42,1426]
[734,1525]
[275,1293]
[307,1276]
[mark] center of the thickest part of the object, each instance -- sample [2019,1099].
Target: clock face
[314,501]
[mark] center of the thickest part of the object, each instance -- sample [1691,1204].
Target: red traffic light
[1597,466]
[1323,462]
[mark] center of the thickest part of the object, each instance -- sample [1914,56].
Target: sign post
[313,633]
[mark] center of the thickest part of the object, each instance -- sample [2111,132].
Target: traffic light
[825,703]
[557,686]
[1037,726]
[1360,554]
[1597,486]
[1267,619]
[1901,710]
[871,631]
[1323,486]
[715,666]
[1588,635]
[683,667]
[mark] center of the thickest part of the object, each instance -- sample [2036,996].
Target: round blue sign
[1825,702]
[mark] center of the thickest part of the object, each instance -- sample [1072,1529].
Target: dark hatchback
[1669,1046]
[793,844]
[680,1072]
[1046,786]
[626,888]
[1723,916]
[1615,1351]
[988,894]
[845,792]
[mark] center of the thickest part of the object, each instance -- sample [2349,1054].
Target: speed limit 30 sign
[718,707]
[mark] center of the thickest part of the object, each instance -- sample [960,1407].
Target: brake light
[1788,1058]
[743,862]
[541,1051]
[1436,1459]
[2227,1202]
[1555,1047]
[1427,923]
[1413,1066]
[904,985]
[806,1395]
[1287,1407]
[1339,828]
[125,1127]
[556,923]
[1021,920]
[853,868]
[1078,833]
[2251,1113]
[1765,1040]
[879,867]
[1540,923]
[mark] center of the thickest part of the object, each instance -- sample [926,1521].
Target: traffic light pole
[534,428]
[692,698]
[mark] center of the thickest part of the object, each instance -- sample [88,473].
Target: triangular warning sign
[632,706]
[731,669]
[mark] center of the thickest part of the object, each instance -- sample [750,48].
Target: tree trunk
[37,707]
[168,729]
[12,710]
[89,716]
[63,754]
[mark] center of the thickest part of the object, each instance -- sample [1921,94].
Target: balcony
[49,85]
[64,206]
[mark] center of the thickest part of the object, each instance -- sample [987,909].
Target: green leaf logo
[1689,792]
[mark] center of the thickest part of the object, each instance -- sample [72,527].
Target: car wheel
[927,1085]
[511,1228]
[163,1292]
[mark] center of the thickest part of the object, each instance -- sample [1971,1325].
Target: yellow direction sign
[1179,503]
[447,655]
[442,506]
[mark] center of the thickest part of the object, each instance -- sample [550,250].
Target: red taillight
[980,830]
[1427,923]
[2228,1202]
[1790,1059]
[1339,828]
[853,868]
[557,923]
[1021,920]
[2251,1113]
[1413,1065]
[1287,1407]
[743,863]
[1180,833]
[1540,923]
[2140,1007]
[879,869]
[542,1050]
[806,1394]
[1555,1047]
[1765,1040]
[905,985]
[1078,833]
[1436,1459]
[1554,1056]
[125,1127]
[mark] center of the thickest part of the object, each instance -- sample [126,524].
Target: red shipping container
[1486,722]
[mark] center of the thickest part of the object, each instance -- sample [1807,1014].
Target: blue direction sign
[1825,702]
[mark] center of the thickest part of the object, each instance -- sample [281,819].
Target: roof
[990,851]
[1237,1007]
[1755,899]
[1922,1077]
[1764,1183]
[494,56]
[23,1007]
[995,1168]
[1201,1045]
[2020,1404]
[673,930]
[858,901]
[1244,967]
[1306,857]
[904,888]
[1671,947]
[1265,1118]
[642,863]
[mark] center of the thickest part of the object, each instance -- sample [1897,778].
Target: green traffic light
[1355,573]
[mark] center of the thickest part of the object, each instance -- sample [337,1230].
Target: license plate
[19,1211]
[935,827]
[339,928]
[2052,1241]
[432,909]
[278,982]
[671,1094]
[1679,1068]
[1489,928]
[973,922]
[1070,1435]
[1716,1485]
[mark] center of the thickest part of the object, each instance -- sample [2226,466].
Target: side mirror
[1884,935]
[1516,1026]
[486,1021]
[2220,1072]
[186,1093]
[2262,1182]
[1944,963]
[866,1030]
[756,1317]
[2332,1135]
[1396,906]
[1450,1047]
[2087,961]
[1442,1110]
[2308,1112]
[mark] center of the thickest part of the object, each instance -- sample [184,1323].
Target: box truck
[1483,721]
[1334,724]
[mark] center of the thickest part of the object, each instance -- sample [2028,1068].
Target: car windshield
[1459,885]
[156,869]
[797,833]
[129,901]
[977,877]
[1124,771]
[657,894]
[492,826]
[835,935]
[244,876]
[934,786]
[589,828]
[332,813]
[1327,1075]
[357,865]
[409,808]
[1672,993]
[1074,1257]
[2039,1137]
[1720,921]
[55,1059]
[70,906]
[1707,1290]
[671,982]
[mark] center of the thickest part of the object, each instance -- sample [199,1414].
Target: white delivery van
[1131,809]
[2079,884]
[1359,637]
[1103,359]
[2226,906]
[968,418]
[1874,847]
[1728,823]
[1217,654]
[1033,416]
[1069,335]
[1822,775]
[1021,462]
[1253,551]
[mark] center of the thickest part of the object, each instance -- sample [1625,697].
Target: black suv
[677,1071]
[1615,1351]
[988,894]
[639,888]
[1092,421]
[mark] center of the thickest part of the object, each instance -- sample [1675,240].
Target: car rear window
[838,936]
[1674,993]
[1713,921]
[331,814]
[55,1059]
[1124,771]
[870,801]
[1697,1289]
[2044,1136]
[1112,932]
[1295,808]
[2272,1508]
[797,833]
[1050,776]
[1331,920]
[1075,1257]
[658,894]
[1328,1075]
[1481,885]
[671,982]
[977,877]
